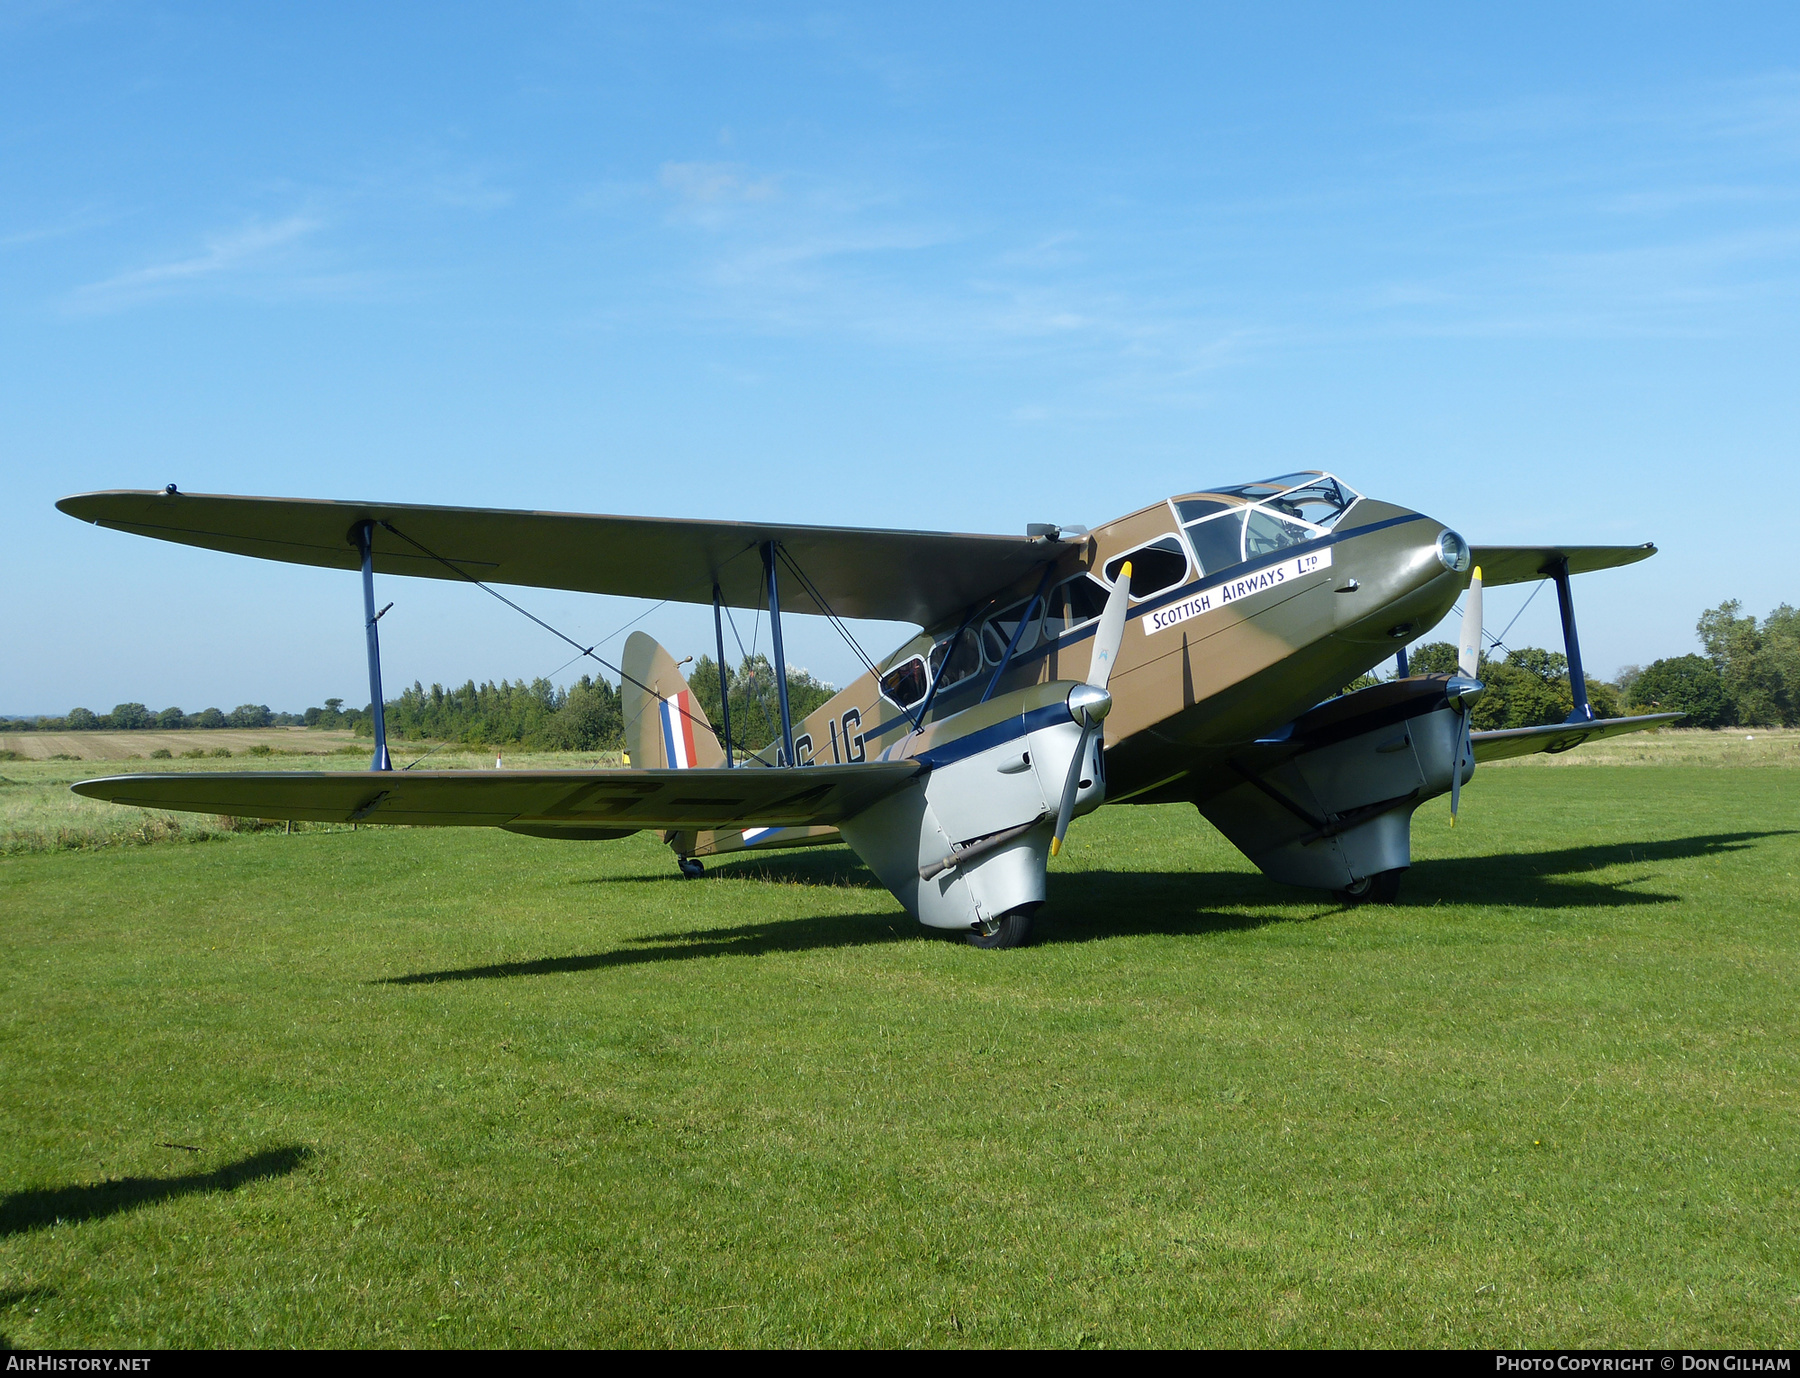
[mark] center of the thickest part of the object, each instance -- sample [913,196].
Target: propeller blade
[1468,649]
[1111,630]
[1071,787]
[1464,749]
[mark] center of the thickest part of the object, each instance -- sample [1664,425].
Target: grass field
[128,746]
[423,1088]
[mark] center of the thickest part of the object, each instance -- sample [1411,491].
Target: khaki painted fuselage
[1206,666]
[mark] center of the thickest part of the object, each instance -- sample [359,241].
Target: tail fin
[665,726]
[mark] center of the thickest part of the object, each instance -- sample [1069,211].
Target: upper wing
[1528,741]
[902,576]
[557,803]
[1520,564]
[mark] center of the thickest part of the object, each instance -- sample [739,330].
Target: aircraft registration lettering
[1232,590]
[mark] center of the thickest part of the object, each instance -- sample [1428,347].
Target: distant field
[1737,746]
[437,1088]
[39,813]
[123,746]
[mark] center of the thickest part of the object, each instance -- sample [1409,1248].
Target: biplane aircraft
[1190,651]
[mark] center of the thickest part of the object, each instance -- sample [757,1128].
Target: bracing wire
[812,590]
[587,651]
[1500,640]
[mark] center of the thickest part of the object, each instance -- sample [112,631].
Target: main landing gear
[690,866]
[1381,888]
[1011,929]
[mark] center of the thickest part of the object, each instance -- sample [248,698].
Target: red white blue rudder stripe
[678,731]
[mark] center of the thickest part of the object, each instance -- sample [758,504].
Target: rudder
[665,726]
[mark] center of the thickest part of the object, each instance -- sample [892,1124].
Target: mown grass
[39,813]
[468,1088]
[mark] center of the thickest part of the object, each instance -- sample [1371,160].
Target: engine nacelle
[1331,804]
[969,841]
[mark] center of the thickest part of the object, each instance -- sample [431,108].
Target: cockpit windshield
[1227,526]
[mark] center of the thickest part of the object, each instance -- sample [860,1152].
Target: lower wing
[1562,736]
[546,803]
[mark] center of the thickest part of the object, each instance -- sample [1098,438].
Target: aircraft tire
[1012,929]
[690,866]
[1381,888]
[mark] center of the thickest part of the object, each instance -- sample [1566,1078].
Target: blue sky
[1531,270]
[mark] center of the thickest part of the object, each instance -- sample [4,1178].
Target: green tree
[1432,658]
[755,711]
[81,720]
[131,717]
[1760,665]
[1529,688]
[1688,684]
[210,718]
[589,719]
[249,715]
[171,719]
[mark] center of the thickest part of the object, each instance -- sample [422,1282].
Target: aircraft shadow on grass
[38,1208]
[1089,905]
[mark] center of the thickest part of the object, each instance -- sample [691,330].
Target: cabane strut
[781,693]
[365,544]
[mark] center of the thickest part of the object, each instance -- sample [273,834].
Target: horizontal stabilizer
[1507,742]
[900,576]
[542,802]
[1520,564]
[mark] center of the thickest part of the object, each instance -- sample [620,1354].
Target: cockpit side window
[1195,509]
[1155,566]
[963,653]
[1219,542]
[1265,532]
[999,629]
[1320,502]
[905,684]
[1079,600]
[1284,511]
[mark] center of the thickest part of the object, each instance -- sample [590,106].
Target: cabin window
[1159,565]
[905,684]
[1218,543]
[1000,627]
[1080,600]
[956,658]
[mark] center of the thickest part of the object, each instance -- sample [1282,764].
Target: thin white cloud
[255,251]
[77,223]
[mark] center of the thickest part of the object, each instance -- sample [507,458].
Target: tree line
[135,717]
[588,715]
[1748,675]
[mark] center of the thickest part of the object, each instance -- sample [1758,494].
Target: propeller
[1465,689]
[1089,703]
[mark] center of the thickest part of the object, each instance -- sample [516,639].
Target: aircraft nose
[1407,577]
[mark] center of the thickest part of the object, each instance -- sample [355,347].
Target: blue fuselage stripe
[998,734]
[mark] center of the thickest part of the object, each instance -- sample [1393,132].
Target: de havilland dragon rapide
[1192,651]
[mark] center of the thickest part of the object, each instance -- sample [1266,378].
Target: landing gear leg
[690,866]
[1381,888]
[1011,929]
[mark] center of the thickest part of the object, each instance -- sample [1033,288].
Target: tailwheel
[1381,888]
[690,866]
[1011,929]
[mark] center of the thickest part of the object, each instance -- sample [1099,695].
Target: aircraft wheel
[690,866]
[1381,888]
[1011,929]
